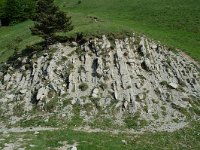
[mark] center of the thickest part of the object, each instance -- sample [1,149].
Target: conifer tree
[49,20]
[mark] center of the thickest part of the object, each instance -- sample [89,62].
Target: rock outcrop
[124,77]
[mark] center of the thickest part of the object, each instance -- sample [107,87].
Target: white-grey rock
[42,93]
[7,77]
[173,85]
[10,96]
[124,79]
[147,64]
[23,91]
[95,92]
[74,148]
[124,142]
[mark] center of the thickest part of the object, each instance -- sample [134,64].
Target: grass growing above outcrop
[175,23]
[186,138]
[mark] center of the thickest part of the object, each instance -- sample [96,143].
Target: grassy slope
[175,22]
[187,138]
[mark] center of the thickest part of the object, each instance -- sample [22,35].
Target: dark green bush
[83,86]
[15,11]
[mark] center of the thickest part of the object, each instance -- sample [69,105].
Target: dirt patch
[21,130]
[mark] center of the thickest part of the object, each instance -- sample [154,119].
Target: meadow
[187,138]
[175,23]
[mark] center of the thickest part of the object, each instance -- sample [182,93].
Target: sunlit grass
[175,23]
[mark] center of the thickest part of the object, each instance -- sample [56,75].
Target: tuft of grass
[155,116]
[18,109]
[182,110]
[51,105]
[132,121]
[76,119]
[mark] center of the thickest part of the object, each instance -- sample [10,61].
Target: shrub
[79,2]
[83,86]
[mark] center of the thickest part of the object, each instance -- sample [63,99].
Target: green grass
[186,138]
[175,23]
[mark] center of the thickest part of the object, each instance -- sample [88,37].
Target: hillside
[105,85]
[126,77]
[174,23]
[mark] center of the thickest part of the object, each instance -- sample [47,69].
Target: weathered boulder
[42,93]
[95,92]
[173,85]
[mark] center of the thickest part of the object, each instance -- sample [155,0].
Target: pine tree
[49,20]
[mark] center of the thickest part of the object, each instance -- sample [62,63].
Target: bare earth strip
[21,130]
[169,128]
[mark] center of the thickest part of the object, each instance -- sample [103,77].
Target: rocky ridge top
[132,81]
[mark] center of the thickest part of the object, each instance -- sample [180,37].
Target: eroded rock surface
[124,77]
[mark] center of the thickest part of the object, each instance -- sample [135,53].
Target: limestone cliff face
[131,76]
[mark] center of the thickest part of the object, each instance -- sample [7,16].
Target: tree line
[15,11]
[48,19]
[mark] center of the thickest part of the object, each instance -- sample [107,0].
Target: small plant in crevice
[155,116]
[164,113]
[98,75]
[67,101]
[80,52]
[51,93]
[18,109]
[105,77]
[88,107]
[176,120]
[95,101]
[51,105]
[102,123]
[106,68]
[182,110]
[155,101]
[81,68]
[103,85]
[163,108]
[145,108]
[164,83]
[141,77]
[157,92]
[64,58]
[72,53]
[195,103]
[83,86]
[69,69]
[128,87]
[135,122]
[70,66]
[76,120]
[141,96]
[131,76]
